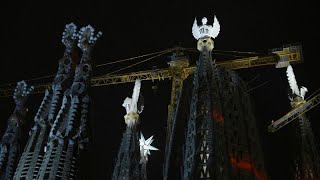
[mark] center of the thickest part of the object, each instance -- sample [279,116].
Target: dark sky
[31,34]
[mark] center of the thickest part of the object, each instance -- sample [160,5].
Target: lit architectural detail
[87,37]
[145,147]
[220,138]
[220,120]
[306,163]
[10,142]
[293,84]
[205,30]
[68,134]
[59,132]
[131,105]
[128,164]
[32,157]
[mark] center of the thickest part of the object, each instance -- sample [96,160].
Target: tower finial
[204,21]
[131,105]
[205,30]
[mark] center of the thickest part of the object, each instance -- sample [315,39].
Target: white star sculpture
[145,146]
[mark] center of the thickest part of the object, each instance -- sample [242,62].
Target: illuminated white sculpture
[145,147]
[293,84]
[131,105]
[205,30]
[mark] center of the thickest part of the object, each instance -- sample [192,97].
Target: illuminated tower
[10,142]
[221,138]
[202,127]
[128,159]
[307,160]
[68,133]
[306,164]
[32,156]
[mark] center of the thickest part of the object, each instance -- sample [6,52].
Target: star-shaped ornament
[145,146]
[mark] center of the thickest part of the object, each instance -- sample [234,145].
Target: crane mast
[178,63]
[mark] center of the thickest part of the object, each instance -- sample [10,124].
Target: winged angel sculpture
[205,30]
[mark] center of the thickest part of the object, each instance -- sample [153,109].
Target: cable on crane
[28,80]
[193,50]
[167,51]
[216,50]
[256,87]
[136,57]
[132,58]
[100,65]
[254,78]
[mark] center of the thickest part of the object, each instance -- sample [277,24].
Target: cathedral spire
[32,156]
[10,142]
[68,133]
[127,165]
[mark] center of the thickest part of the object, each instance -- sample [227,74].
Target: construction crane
[301,108]
[306,160]
[179,70]
[278,57]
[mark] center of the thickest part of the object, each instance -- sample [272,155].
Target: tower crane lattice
[307,158]
[179,70]
[294,113]
[291,54]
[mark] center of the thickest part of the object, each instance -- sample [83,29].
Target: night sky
[31,36]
